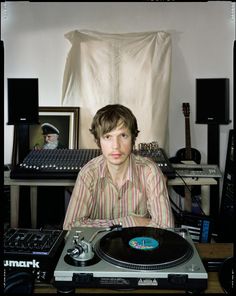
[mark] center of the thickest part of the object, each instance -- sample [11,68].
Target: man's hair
[109,117]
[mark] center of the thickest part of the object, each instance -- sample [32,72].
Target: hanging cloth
[132,69]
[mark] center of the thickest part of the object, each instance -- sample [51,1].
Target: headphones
[226,275]
[19,282]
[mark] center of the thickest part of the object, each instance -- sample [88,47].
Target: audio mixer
[33,250]
[66,163]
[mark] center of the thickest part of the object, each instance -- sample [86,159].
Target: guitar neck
[187,138]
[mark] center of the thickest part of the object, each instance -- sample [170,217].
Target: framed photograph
[61,122]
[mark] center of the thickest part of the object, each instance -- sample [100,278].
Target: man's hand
[37,147]
[141,221]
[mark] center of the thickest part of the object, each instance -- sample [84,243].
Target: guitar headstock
[186,109]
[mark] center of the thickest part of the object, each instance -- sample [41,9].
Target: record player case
[184,271]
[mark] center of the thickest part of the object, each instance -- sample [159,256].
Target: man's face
[116,145]
[49,138]
[51,141]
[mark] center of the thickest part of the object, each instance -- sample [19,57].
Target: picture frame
[65,119]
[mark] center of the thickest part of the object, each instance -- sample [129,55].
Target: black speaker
[23,101]
[212,100]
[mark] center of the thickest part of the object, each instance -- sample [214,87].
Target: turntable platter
[144,248]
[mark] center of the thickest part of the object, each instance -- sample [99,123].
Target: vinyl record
[144,248]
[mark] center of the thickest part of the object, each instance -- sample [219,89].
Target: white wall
[202,46]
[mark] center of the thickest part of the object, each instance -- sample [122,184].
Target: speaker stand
[213,147]
[20,151]
[213,157]
[20,143]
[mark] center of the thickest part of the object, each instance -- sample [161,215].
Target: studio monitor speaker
[212,100]
[23,101]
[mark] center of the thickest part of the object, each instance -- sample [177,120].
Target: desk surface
[206,251]
[34,183]
[71,182]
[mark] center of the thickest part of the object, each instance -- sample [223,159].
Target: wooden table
[15,184]
[209,251]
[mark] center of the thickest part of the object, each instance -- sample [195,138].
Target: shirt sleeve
[158,201]
[79,204]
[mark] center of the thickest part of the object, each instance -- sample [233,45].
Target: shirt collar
[131,175]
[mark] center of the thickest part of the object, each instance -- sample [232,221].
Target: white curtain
[132,69]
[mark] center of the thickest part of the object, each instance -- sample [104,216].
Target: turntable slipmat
[144,248]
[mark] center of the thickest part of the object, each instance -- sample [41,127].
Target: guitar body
[181,154]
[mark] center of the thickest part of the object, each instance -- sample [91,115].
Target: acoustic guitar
[187,153]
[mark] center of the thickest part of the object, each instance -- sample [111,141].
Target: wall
[202,46]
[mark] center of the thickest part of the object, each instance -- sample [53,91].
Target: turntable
[130,258]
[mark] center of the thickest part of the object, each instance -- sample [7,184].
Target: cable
[193,197]
[172,201]
[180,214]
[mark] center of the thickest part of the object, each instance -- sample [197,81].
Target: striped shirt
[96,201]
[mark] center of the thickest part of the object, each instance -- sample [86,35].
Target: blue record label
[143,243]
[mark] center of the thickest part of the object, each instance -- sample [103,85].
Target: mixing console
[158,155]
[53,163]
[33,250]
[66,163]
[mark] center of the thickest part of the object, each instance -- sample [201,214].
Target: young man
[118,186]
